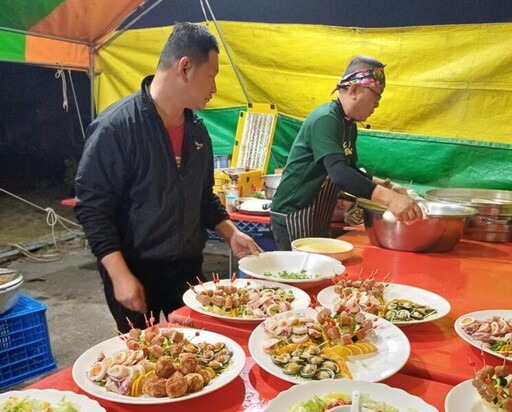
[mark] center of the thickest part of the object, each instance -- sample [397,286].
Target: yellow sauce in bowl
[321,248]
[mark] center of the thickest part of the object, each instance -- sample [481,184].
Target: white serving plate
[375,391]
[255,206]
[302,299]
[52,395]
[393,351]
[463,398]
[328,297]
[114,345]
[482,315]
[279,261]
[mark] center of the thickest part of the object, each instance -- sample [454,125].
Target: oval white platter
[114,345]
[482,315]
[328,297]
[302,299]
[393,351]
[319,268]
[53,396]
[375,391]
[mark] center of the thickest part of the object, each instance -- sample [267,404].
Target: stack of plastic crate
[25,350]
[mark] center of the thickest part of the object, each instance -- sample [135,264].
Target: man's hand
[402,206]
[243,245]
[128,291]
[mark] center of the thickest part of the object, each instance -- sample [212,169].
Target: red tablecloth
[250,392]
[473,276]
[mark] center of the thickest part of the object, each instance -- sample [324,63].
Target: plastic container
[231,201]
[25,350]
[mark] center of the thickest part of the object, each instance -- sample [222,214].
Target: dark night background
[40,142]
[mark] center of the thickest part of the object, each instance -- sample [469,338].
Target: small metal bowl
[271,181]
[10,290]
[440,231]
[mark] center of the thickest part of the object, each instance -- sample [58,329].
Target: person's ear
[184,66]
[353,90]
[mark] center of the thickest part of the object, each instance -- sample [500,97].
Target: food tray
[25,350]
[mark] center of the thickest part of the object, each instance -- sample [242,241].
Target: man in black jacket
[144,184]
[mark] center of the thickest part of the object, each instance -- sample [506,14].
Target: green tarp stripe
[424,164]
[23,14]
[13,45]
[404,136]
[425,161]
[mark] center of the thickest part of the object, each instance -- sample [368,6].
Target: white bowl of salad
[300,269]
[325,395]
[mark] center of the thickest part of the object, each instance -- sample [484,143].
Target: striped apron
[315,219]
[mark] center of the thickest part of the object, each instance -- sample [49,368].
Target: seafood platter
[315,344]
[488,330]
[399,304]
[301,269]
[374,396]
[158,365]
[244,300]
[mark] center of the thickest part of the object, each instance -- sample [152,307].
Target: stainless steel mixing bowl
[493,223]
[440,231]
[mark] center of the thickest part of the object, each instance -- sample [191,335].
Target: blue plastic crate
[253,229]
[25,350]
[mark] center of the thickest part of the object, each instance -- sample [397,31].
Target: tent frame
[93,48]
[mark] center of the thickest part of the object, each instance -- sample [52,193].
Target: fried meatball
[177,374]
[206,375]
[154,386]
[195,382]
[176,386]
[164,367]
[188,363]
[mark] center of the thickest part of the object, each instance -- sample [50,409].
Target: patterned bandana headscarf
[368,77]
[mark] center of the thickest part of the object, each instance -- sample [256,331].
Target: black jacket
[131,196]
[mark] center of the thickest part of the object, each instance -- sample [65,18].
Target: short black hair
[188,39]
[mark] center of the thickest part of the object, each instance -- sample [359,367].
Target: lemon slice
[211,372]
[136,389]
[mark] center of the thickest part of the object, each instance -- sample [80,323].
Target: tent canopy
[62,33]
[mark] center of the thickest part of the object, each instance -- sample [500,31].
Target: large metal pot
[439,232]
[493,223]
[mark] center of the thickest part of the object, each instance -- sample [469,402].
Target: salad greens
[330,401]
[291,275]
[27,404]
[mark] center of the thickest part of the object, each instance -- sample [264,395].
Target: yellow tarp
[445,81]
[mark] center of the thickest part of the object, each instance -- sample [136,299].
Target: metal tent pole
[92,52]
[232,61]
